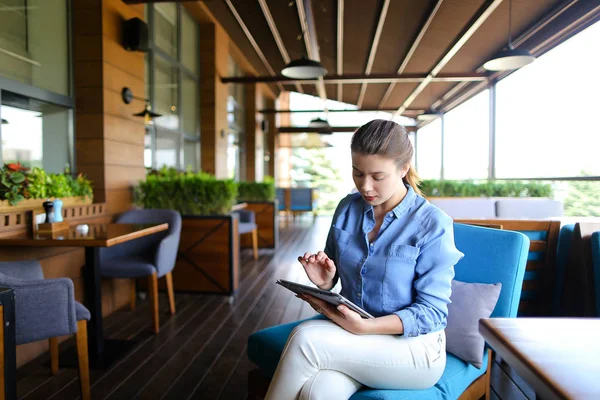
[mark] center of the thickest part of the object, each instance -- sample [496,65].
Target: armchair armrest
[44,308]
[166,254]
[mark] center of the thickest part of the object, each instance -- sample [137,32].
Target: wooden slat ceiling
[403,22]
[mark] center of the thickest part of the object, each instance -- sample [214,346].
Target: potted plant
[208,257]
[260,197]
[22,188]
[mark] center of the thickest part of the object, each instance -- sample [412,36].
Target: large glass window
[172,84]
[546,112]
[429,150]
[236,122]
[35,133]
[466,139]
[34,43]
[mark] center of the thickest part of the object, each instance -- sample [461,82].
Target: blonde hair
[387,139]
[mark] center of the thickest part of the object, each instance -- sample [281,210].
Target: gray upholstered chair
[247,224]
[151,256]
[46,309]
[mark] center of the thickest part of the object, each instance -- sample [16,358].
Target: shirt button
[358,294]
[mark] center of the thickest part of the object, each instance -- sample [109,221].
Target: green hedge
[438,188]
[257,191]
[187,192]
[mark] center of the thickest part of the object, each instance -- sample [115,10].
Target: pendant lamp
[4,121]
[511,58]
[304,68]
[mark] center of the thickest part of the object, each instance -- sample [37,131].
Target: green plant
[443,188]
[256,191]
[14,183]
[38,183]
[59,185]
[81,186]
[187,192]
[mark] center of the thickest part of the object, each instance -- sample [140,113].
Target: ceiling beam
[252,41]
[276,36]
[362,78]
[374,45]
[460,93]
[308,129]
[411,51]
[309,31]
[340,46]
[274,111]
[482,15]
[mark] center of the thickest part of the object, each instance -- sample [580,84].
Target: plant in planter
[18,184]
[257,191]
[187,192]
[444,188]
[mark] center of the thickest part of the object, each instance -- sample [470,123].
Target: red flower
[16,167]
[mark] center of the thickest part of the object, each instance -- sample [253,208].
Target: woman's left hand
[342,315]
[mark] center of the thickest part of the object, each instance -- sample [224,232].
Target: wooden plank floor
[200,353]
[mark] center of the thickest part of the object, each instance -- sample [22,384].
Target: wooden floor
[200,353]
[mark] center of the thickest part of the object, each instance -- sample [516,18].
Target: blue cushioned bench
[491,256]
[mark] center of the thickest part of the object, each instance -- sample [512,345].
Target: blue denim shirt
[407,270]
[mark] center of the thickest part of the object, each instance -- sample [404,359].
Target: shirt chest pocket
[398,276]
[342,238]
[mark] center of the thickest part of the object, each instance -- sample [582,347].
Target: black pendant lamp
[147,112]
[4,121]
[304,68]
[511,58]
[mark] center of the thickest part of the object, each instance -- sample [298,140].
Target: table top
[558,357]
[97,235]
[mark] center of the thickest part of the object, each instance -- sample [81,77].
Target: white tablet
[332,298]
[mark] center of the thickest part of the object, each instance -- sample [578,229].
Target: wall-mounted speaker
[135,35]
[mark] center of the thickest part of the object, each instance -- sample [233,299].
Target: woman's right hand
[319,268]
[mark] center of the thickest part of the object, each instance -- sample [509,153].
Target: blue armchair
[46,309]
[151,256]
[247,224]
[491,256]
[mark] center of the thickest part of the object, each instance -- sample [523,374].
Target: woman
[394,254]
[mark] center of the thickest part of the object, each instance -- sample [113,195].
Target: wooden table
[98,236]
[558,357]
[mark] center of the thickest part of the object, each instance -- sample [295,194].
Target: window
[546,111]
[429,150]
[172,84]
[236,123]
[35,133]
[34,43]
[466,139]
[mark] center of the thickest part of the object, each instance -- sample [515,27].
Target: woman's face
[377,178]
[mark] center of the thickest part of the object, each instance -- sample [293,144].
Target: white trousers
[321,360]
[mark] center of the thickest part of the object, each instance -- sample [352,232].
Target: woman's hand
[342,315]
[319,268]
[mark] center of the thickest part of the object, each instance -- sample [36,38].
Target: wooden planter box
[208,256]
[36,204]
[267,222]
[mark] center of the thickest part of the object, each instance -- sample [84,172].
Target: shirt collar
[401,208]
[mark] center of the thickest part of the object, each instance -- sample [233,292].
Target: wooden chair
[539,283]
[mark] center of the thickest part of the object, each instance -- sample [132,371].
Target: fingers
[330,264]
[321,256]
[312,258]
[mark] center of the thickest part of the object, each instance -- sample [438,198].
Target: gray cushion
[127,267]
[81,312]
[470,303]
